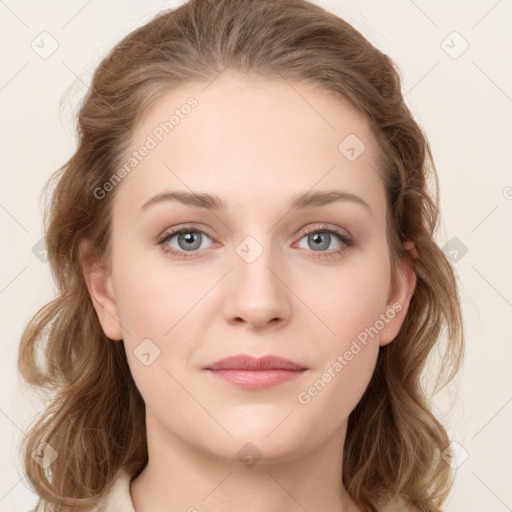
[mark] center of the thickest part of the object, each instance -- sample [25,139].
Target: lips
[243,362]
[255,373]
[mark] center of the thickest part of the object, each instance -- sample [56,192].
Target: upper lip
[244,362]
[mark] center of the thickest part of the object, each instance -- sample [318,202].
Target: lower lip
[257,379]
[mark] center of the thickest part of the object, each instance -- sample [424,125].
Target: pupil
[317,238]
[190,238]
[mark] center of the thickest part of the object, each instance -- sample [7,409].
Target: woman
[249,286]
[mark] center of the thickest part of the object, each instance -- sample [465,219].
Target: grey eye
[188,240]
[318,240]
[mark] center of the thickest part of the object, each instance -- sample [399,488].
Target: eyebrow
[212,202]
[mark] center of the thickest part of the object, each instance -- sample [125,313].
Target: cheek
[154,298]
[331,395]
[160,311]
[350,304]
[348,299]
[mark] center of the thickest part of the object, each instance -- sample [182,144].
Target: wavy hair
[95,418]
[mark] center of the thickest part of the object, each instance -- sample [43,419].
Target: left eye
[321,239]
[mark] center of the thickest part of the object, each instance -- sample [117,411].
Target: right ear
[99,283]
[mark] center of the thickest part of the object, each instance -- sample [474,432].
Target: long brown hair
[95,418]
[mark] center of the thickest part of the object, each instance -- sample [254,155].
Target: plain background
[462,98]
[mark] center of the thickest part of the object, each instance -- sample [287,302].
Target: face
[273,244]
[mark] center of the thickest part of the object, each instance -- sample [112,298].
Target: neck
[182,477]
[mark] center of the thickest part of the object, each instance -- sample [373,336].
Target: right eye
[185,240]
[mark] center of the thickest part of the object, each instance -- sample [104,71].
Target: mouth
[256,373]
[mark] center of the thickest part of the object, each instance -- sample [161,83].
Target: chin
[257,444]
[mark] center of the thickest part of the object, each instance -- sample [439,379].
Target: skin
[255,144]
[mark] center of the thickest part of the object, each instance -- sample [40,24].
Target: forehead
[251,141]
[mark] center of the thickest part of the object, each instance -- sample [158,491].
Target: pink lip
[256,373]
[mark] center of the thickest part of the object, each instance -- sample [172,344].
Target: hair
[95,420]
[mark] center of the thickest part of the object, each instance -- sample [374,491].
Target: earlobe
[401,290]
[99,284]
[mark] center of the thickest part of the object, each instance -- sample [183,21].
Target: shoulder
[117,499]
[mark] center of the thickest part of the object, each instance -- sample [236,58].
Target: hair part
[96,418]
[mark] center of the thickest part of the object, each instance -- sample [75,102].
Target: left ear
[403,282]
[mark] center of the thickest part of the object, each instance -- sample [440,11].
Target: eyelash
[347,240]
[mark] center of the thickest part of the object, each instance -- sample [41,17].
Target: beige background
[462,99]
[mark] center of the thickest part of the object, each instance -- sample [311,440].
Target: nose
[257,293]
